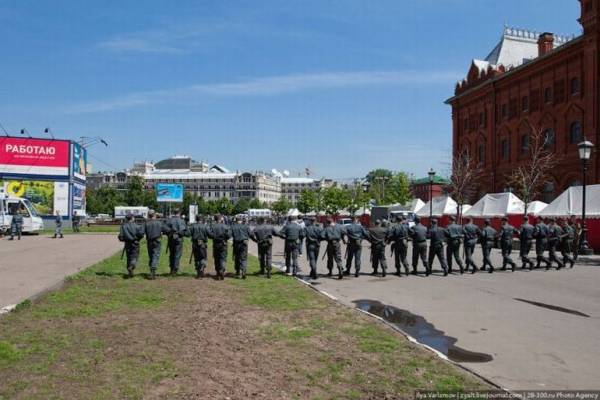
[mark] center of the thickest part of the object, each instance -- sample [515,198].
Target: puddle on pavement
[554,308]
[424,332]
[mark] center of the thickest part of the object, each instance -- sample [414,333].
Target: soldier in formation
[58,226]
[418,234]
[292,233]
[507,233]
[220,234]
[455,234]
[488,238]
[355,233]
[131,234]
[177,230]
[398,235]
[567,239]
[526,235]
[240,235]
[472,234]
[555,233]
[263,236]
[314,236]
[334,234]
[377,236]
[436,237]
[199,233]
[154,229]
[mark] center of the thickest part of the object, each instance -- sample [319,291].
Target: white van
[32,222]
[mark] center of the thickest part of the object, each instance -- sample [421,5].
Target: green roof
[436,179]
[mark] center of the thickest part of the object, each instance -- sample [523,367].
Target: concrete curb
[395,328]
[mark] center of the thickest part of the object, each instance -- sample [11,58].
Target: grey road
[522,330]
[37,263]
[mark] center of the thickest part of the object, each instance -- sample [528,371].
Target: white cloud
[269,86]
[140,45]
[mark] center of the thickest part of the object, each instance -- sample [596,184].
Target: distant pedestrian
[131,234]
[16,224]
[58,226]
[75,221]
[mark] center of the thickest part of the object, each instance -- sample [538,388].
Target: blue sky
[341,87]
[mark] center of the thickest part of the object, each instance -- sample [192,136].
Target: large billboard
[169,192]
[79,161]
[46,196]
[40,157]
[79,199]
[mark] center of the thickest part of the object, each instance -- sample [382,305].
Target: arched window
[549,137]
[548,192]
[525,143]
[575,86]
[575,135]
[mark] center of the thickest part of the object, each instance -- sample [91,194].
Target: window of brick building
[465,125]
[575,86]
[525,143]
[513,106]
[575,135]
[525,104]
[504,149]
[559,91]
[549,138]
[481,154]
[504,110]
[534,95]
[481,119]
[548,95]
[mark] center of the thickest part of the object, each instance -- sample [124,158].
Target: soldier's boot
[268,273]
[473,269]
[374,272]
[504,265]
[491,268]
[130,272]
[356,273]
[398,271]
[383,272]
[243,274]
[572,261]
[560,264]
[406,269]
[152,274]
[445,271]
[330,273]
[347,272]
[198,273]
[514,266]
[262,270]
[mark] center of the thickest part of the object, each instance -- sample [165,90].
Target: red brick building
[532,82]
[420,187]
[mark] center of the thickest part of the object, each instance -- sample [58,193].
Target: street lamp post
[585,152]
[431,174]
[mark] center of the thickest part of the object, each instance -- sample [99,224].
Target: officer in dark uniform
[220,234]
[177,230]
[199,232]
[354,233]
[240,234]
[291,233]
[566,247]
[488,238]
[154,229]
[398,235]
[540,233]
[16,224]
[555,233]
[377,236]
[507,233]
[436,237]
[314,236]
[131,234]
[472,233]
[526,234]
[263,236]
[75,220]
[334,234]
[418,234]
[454,234]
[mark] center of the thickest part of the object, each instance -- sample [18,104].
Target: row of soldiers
[294,233]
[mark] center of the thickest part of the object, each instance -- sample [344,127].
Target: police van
[32,222]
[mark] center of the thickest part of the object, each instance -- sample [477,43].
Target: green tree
[398,189]
[335,199]
[134,195]
[307,201]
[255,203]
[241,206]
[149,199]
[378,180]
[103,200]
[224,206]
[358,198]
[281,206]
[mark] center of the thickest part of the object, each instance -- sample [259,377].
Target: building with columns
[532,82]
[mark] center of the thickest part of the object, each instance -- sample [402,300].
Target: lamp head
[585,150]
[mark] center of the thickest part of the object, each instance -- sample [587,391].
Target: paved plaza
[522,330]
[37,263]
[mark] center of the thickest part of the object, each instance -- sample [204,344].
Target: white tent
[465,208]
[415,205]
[293,212]
[362,211]
[443,205]
[535,207]
[496,205]
[570,203]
